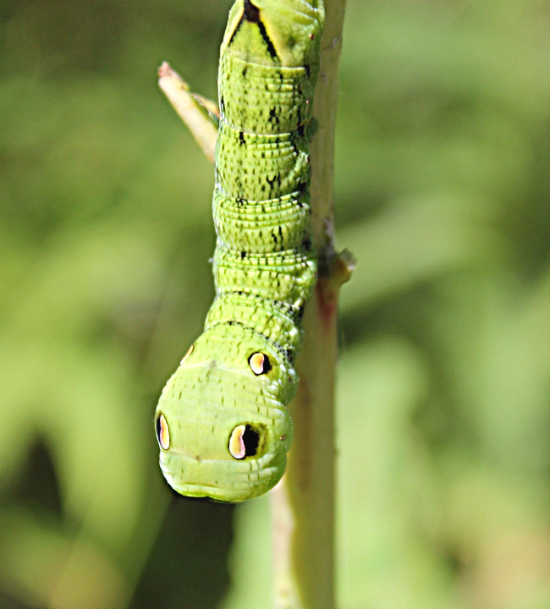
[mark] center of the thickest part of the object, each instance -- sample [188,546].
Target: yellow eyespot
[236,442]
[259,363]
[189,351]
[163,433]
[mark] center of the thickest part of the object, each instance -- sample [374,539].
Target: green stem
[303,503]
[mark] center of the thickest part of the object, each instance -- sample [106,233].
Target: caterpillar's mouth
[222,480]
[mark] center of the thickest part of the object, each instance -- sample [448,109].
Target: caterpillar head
[221,422]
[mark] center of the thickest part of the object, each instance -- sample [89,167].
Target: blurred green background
[443,194]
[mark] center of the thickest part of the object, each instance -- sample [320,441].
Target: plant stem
[189,109]
[303,503]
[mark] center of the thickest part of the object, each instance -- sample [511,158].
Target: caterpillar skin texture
[222,423]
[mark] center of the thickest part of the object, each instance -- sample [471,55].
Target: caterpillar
[222,422]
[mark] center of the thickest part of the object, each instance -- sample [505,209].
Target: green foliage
[442,193]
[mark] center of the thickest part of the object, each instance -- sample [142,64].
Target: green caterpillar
[221,422]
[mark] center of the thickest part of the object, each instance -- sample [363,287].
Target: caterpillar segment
[222,421]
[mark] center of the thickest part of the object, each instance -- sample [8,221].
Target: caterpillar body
[222,423]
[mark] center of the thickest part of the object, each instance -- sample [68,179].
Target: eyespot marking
[259,363]
[189,351]
[236,442]
[163,433]
[243,442]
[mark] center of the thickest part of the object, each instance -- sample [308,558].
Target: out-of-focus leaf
[45,565]
[415,243]
[251,557]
